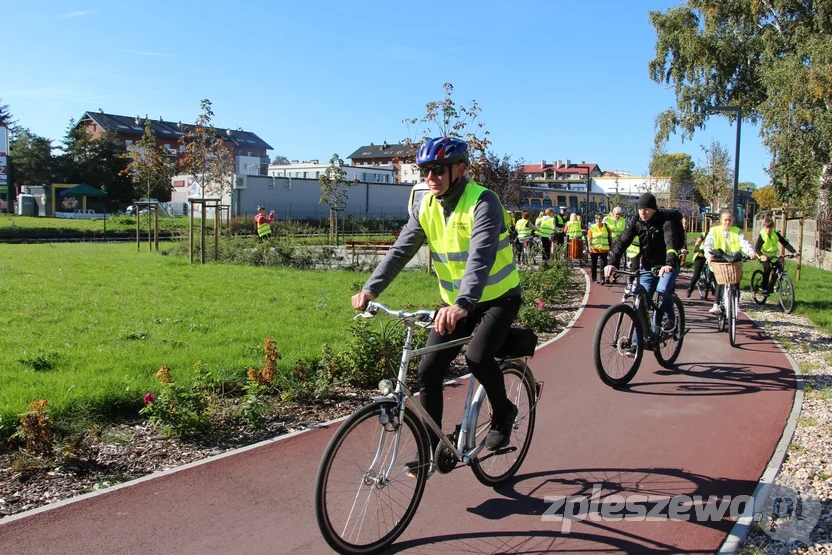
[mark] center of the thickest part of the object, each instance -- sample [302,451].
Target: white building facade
[313,169]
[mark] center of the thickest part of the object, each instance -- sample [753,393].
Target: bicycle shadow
[526,496]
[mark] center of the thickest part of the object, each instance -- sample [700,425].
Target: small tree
[766,197]
[279,159]
[209,160]
[148,165]
[446,118]
[334,183]
[502,175]
[714,176]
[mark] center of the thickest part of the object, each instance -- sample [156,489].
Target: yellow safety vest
[449,243]
[616,228]
[635,248]
[559,221]
[523,229]
[264,227]
[599,240]
[733,245]
[574,231]
[547,225]
[771,244]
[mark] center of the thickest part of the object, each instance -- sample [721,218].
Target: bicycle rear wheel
[670,341]
[723,314]
[757,287]
[357,510]
[617,347]
[785,291]
[497,467]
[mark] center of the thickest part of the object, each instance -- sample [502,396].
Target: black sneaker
[500,432]
[690,291]
[667,325]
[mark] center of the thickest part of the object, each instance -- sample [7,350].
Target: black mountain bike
[780,285]
[626,330]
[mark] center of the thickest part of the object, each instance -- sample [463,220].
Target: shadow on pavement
[526,496]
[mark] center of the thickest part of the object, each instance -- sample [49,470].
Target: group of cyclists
[468,231]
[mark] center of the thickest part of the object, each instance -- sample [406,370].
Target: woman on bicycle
[767,248]
[600,238]
[466,227]
[698,262]
[660,239]
[730,240]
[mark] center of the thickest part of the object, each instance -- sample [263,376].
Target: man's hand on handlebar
[665,270]
[360,300]
[447,317]
[608,270]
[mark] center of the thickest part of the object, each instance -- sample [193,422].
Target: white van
[416,193]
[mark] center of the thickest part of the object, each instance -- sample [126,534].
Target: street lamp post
[735,194]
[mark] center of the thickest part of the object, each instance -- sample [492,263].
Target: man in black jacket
[661,237]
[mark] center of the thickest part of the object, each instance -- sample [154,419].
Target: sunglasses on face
[438,170]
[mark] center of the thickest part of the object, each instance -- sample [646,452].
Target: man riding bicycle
[524,228]
[698,263]
[660,239]
[767,249]
[466,227]
[730,240]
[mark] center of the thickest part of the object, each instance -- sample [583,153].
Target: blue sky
[555,79]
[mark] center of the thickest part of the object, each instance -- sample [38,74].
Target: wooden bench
[367,248]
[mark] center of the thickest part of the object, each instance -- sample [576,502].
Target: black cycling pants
[698,268]
[594,256]
[494,319]
[767,269]
[547,246]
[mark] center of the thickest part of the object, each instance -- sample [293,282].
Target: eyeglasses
[438,170]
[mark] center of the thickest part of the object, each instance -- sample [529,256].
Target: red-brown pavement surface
[708,427]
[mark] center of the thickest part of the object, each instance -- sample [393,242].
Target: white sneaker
[715,309]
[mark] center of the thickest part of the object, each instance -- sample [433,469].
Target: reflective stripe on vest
[573,230]
[449,244]
[547,225]
[599,239]
[733,245]
[635,248]
[771,244]
[523,229]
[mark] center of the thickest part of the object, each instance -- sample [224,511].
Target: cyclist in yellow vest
[263,223]
[466,228]
[600,239]
[698,263]
[616,223]
[730,240]
[768,250]
[547,231]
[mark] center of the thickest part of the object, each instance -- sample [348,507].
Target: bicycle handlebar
[423,318]
[654,270]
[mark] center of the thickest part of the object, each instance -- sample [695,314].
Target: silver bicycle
[368,488]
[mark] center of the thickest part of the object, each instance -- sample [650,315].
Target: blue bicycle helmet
[443,150]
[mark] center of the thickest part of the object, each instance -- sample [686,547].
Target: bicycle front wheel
[757,287]
[362,503]
[497,467]
[723,314]
[617,347]
[785,290]
[670,341]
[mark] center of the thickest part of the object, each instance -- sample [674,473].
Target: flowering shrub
[36,429]
[181,409]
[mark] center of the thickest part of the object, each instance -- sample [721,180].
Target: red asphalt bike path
[707,427]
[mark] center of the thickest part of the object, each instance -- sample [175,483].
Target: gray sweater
[489,223]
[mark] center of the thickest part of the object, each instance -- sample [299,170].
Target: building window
[128,144]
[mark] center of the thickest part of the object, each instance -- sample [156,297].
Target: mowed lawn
[86,326]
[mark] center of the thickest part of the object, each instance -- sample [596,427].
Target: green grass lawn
[86,326]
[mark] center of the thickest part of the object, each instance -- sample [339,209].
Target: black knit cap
[647,200]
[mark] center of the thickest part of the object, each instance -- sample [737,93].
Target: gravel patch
[807,467]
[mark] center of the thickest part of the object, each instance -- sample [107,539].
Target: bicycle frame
[402,393]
